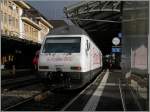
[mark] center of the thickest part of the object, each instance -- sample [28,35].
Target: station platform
[109,93]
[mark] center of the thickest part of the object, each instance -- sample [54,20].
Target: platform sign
[120,35]
[116,50]
[116,41]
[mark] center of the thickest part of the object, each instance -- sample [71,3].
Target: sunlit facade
[9,18]
[45,28]
[19,22]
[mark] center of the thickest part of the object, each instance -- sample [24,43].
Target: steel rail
[135,99]
[19,84]
[79,94]
[121,95]
[109,21]
[24,101]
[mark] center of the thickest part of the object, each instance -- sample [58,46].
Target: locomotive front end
[60,60]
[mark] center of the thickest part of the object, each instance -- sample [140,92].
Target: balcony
[31,20]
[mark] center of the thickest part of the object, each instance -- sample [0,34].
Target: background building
[135,54]
[135,27]
[9,18]
[22,31]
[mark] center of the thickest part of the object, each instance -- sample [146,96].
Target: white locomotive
[69,58]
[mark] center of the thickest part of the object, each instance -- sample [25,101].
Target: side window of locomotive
[87,47]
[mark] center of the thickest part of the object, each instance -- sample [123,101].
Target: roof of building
[38,15]
[95,15]
[57,23]
[22,4]
[101,19]
[68,30]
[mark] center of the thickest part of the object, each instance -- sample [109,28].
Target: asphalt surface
[111,98]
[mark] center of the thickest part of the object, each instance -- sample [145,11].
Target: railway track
[13,98]
[64,100]
[130,99]
[22,101]
[11,84]
[45,100]
[117,96]
[81,99]
[19,89]
[52,101]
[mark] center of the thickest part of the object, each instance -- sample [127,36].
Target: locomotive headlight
[75,68]
[43,67]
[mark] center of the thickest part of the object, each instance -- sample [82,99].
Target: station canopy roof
[101,20]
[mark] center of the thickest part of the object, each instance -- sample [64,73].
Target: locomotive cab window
[62,45]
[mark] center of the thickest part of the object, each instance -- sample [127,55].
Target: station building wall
[135,30]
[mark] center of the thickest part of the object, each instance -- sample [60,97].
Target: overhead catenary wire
[98,20]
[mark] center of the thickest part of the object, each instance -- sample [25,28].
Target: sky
[52,9]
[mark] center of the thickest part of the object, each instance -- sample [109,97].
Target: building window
[34,32]
[26,30]
[5,2]
[10,22]
[2,21]
[2,2]
[31,32]
[17,24]
[14,7]
[10,5]
[17,10]
[5,18]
